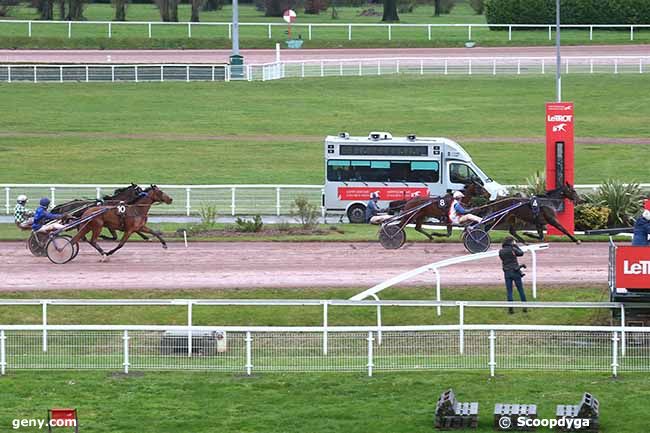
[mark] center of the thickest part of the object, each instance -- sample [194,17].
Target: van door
[459,174]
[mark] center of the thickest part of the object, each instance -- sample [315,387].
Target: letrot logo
[560,118]
[642,267]
[560,127]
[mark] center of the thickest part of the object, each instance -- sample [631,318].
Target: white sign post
[289,16]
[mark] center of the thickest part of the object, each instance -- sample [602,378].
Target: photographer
[512,269]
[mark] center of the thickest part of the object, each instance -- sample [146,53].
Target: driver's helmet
[374,196]
[21,199]
[458,195]
[45,202]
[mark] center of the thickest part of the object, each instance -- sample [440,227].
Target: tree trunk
[120,10]
[436,8]
[173,10]
[390,11]
[46,9]
[62,10]
[163,5]
[196,7]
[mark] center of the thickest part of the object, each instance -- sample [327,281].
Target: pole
[235,28]
[558,61]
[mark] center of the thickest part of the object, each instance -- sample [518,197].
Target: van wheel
[357,214]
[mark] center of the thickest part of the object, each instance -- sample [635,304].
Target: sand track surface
[235,265]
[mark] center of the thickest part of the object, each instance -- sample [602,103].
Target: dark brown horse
[126,218]
[531,212]
[438,208]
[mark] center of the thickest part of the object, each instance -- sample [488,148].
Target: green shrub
[305,212]
[623,200]
[535,185]
[208,214]
[590,217]
[249,226]
[572,12]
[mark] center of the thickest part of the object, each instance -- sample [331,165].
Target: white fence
[49,73]
[347,30]
[53,73]
[448,66]
[188,199]
[306,349]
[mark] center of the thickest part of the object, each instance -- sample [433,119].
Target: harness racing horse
[438,208]
[126,218]
[128,195]
[537,211]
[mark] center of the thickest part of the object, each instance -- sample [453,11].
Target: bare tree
[390,11]
[196,7]
[168,10]
[120,9]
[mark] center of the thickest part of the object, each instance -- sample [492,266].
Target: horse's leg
[552,220]
[540,233]
[96,228]
[113,233]
[144,237]
[418,228]
[513,232]
[125,237]
[158,235]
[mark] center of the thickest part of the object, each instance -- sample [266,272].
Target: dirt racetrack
[283,265]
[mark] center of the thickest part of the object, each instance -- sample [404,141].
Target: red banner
[385,193]
[633,268]
[560,155]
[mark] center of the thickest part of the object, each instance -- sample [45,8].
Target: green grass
[343,233]
[238,132]
[49,35]
[304,316]
[334,402]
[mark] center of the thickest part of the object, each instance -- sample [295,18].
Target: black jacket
[508,256]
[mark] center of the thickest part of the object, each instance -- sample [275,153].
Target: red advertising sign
[385,193]
[633,268]
[560,155]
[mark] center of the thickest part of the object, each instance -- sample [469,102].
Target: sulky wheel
[60,250]
[75,245]
[392,236]
[476,240]
[36,244]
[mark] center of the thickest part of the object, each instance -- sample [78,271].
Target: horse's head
[569,192]
[158,196]
[475,194]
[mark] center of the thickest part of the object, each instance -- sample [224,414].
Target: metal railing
[347,30]
[188,199]
[436,266]
[321,307]
[50,73]
[230,199]
[447,66]
[309,349]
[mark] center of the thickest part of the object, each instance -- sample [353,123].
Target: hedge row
[572,11]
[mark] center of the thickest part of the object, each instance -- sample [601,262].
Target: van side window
[461,173]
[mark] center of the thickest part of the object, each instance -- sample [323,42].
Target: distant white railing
[188,199]
[428,30]
[90,73]
[229,199]
[447,66]
[322,348]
